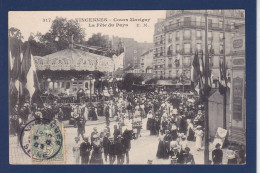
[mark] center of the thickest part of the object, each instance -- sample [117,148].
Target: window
[187,48]
[186,61]
[177,48]
[198,34]
[75,83]
[62,84]
[209,46]
[215,62]
[86,85]
[210,22]
[221,35]
[232,25]
[170,73]
[187,34]
[198,46]
[177,35]
[170,38]
[220,24]
[178,22]
[169,51]
[221,48]
[187,21]
[198,20]
[210,35]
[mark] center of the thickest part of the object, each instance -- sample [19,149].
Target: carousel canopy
[74,59]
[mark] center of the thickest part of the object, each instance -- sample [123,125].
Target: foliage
[99,40]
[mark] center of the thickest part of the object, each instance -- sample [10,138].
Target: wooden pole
[224,62]
[205,94]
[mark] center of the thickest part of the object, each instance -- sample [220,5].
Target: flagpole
[224,62]
[206,94]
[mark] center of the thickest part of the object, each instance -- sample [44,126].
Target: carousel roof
[74,59]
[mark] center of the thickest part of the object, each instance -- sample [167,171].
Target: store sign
[239,43]
[237,98]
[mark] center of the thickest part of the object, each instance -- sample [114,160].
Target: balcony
[197,25]
[199,38]
[186,38]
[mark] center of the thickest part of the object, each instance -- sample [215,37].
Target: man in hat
[120,150]
[116,132]
[156,126]
[127,137]
[107,113]
[76,150]
[85,149]
[188,158]
[217,155]
[106,145]
[95,132]
[111,150]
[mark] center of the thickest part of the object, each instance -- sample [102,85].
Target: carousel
[70,75]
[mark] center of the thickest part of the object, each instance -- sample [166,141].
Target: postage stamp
[42,140]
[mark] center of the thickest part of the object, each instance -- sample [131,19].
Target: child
[76,150]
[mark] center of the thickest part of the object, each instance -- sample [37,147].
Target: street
[142,149]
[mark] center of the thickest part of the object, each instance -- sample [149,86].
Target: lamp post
[90,86]
[102,78]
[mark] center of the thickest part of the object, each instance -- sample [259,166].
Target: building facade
[147,61]
[133,51]
[159,49]
[182,33]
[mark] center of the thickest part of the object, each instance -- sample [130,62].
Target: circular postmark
[41,139]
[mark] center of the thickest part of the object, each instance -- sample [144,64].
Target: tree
[98,40]
[57,38]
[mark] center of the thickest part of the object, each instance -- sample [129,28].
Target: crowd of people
[174,117]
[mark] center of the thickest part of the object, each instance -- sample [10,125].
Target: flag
[195,70]
[28,72]
[16,70]
[222,77]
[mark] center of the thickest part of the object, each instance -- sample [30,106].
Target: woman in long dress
[162,148]
[149,120]
[96,157]
[190,132]
[198,135]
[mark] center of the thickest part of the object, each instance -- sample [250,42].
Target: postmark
[42,140]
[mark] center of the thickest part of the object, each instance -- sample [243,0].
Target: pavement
[142,149]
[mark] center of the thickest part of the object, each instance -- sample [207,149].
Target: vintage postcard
[127,87]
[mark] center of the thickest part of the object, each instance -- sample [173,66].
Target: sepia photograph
[127,87]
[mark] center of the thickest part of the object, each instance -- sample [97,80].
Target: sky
[117,23]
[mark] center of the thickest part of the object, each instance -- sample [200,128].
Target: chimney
[71,42]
